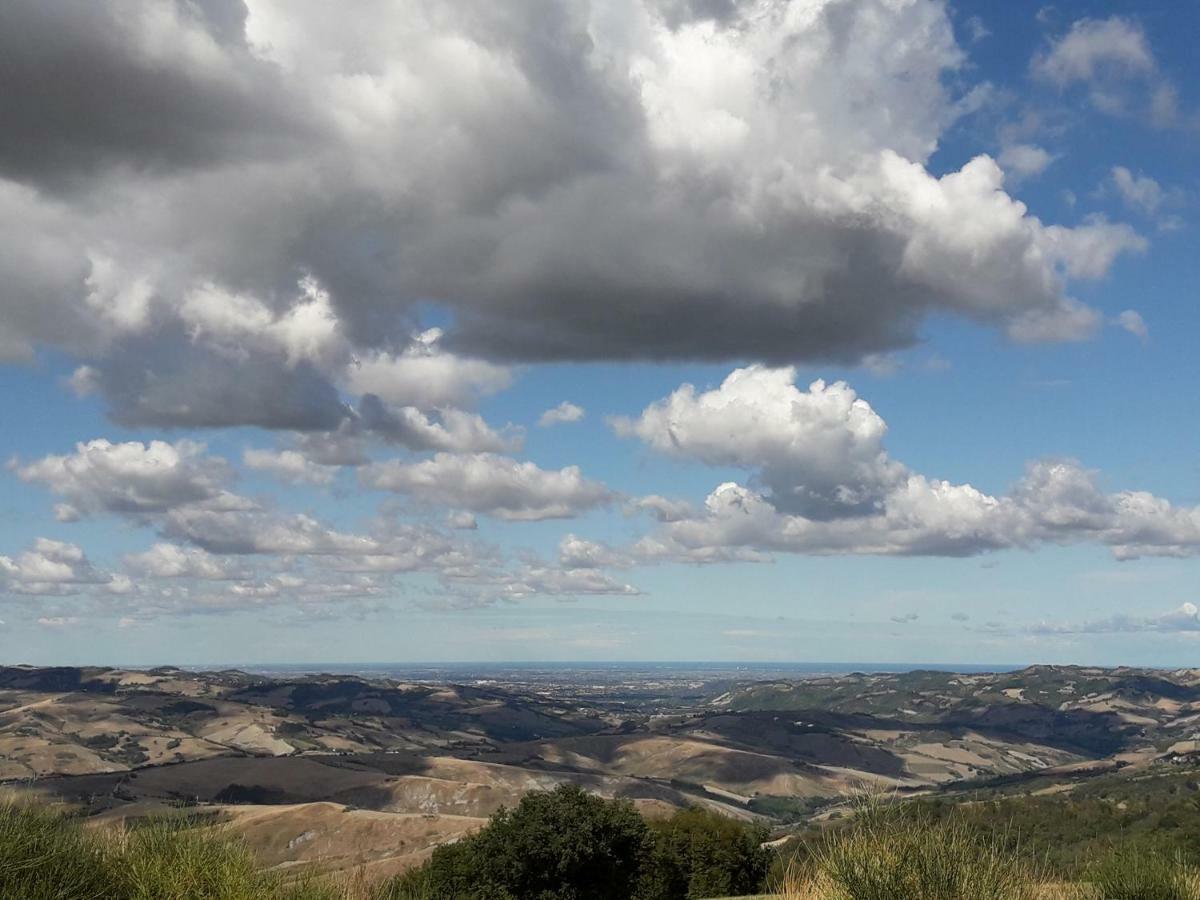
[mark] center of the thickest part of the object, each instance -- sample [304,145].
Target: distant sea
[591,671]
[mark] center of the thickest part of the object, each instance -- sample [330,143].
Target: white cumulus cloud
[564,413]
[822,483]
[131,477]
[494,485]
[49,567]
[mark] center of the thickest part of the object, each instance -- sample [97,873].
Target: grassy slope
[883,853]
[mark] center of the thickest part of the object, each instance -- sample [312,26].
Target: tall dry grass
[886,854]
[45,855]
[883,854]
[1132,873]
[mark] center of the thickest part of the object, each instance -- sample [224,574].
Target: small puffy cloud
[564,413]
[288,465]
[424,375]
[664,509]
[344,446]
[1092,46]
[1072,322]
[1164,105]
[575,552]
[447,429]
[1086,252]
[172,561]
[1131,320]
[49,568]
[494,485]
[1140,192]
[132,478]
[976,29]
[884,365]
[905,618]
[58,621]
[258,531]
[119,585]
[1112,59]
[1025,160]
[462,520]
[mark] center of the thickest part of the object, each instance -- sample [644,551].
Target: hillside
[350,770]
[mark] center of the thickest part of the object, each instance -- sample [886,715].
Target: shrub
[697,854]
[560,845]
[570,845]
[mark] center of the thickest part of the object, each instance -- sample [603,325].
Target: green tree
[697,854]
[563,844]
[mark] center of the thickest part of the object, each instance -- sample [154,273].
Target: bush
[570,845]
[560,845]
[697,854]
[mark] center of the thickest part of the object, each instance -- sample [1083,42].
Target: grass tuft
[45,855]
[883,855]
[1140,873]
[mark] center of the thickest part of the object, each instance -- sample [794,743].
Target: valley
[354,771]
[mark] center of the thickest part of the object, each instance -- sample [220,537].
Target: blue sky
[282,317]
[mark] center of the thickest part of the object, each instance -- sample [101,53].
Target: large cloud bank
[231,211]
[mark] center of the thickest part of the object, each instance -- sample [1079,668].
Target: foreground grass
[1130,873]
[886,853]
[883,853]
[45,856]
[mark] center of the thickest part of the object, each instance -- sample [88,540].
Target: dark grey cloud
[167,380]
[553,173]
[677,13]
[83,93]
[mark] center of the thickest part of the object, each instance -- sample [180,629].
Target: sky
[816,331]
